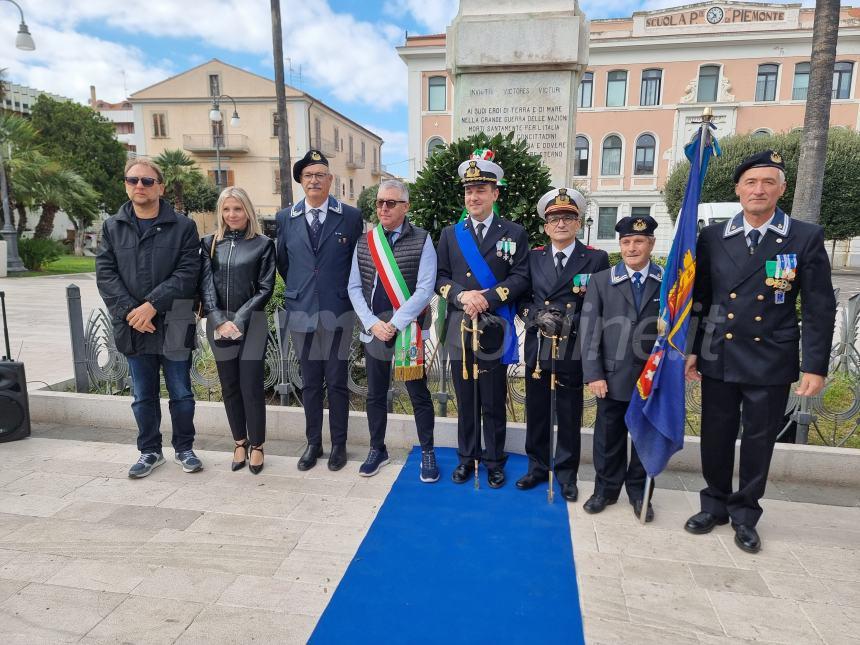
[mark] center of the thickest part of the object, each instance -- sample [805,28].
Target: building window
[580,157]
[801,82]
[436,101]
[351,157]
[218,132]
[159,124]
[586,88]
[761,132]
[214,85]
[765,84]
[337,185]
[610,161]
[606,217]
[645,149]
[842,80]
[276,180]
[435,142]
[616,88]
[709,79]
[317,134]
[640,211]
[351,189]
[223,180]
[274,124]
[337,145]
[363,151]
[650,93]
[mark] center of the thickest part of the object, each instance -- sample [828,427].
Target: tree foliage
[200,194]
[82,140]
[178,168]
[840,204]
[367,203]
[437,194]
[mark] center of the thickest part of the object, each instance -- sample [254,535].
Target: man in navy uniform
[559,276]
[316,239]
[618,328]
[482,268]
[749,273]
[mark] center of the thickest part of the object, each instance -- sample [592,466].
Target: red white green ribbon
[409,345]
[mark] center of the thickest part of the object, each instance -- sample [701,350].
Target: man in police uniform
[482,268]
[559,276]
[316,239]
[749,273]
[618,328]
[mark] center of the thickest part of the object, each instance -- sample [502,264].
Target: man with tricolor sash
[483,270]
[390,286]
[750,272]
[559,274]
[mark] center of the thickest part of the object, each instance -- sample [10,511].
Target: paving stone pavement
[87,555]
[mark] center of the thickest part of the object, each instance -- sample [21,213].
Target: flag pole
[704,143]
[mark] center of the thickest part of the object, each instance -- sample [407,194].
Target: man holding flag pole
[657,410]
[390,286]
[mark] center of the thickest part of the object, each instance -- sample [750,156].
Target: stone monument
[516,65]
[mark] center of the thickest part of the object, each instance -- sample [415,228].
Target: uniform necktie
[316,225]
[559,262]
[389,235]
[637,289]
[754,237]
[479,232]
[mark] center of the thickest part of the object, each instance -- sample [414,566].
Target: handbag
[198,312]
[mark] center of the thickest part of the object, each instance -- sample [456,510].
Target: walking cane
[477,407]
[552,412]
[646,499]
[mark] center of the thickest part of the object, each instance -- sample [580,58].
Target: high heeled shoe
[238,465]
[255,469]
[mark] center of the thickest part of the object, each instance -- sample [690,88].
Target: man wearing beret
[559,275]
[749,273]
[482,268]
[316,239]
[618,329]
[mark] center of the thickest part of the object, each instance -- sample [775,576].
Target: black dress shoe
[309,458]
[570,492]
[337,458]
[746,537]
[637,510]
[461,473]
[530,480]
[703,522]
[596,503]
[496,477]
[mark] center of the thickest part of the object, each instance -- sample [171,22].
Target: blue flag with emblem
[485,277]
[657,410]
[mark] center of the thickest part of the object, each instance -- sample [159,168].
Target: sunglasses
[391,203]
[149,182]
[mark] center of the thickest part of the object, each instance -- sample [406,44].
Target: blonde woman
[238,278]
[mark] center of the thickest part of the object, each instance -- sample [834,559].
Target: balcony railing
[354,161]
[325,146]
[209,142]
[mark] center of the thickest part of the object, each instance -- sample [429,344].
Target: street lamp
[589,221]
[13,263]
[215,117]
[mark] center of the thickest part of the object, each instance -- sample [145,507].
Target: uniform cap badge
[639,225]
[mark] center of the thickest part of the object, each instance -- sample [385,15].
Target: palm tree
[177,168]
[816,121]
[61,189]
[22,166]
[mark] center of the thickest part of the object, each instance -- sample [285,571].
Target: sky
[345,49]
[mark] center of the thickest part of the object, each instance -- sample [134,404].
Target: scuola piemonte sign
[716,15]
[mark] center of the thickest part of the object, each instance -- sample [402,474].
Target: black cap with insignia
[763,159]
[636,225]
[311,157]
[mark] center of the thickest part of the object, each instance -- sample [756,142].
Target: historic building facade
[649,77]
[175,114]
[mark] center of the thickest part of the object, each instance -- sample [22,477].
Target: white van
[713,213]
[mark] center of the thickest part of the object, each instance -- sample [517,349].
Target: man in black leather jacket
[147,269]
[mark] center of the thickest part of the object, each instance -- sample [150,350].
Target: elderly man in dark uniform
[560,274]
[391,283]
[482,267]
[749,273]
[618,329]
[316,239]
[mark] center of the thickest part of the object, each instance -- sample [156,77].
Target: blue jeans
[146,407]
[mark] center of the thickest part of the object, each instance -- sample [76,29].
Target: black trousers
[324,358]
[569,414]
[492,398]
[378,362]
[724,406]
[240,367]
[612,470]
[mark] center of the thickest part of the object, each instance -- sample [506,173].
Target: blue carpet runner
[444,563]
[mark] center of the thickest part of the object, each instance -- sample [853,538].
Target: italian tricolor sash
[409,346]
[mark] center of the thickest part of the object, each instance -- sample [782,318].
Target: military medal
[499,246]
[580,281]
[512,249]
[780,273]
